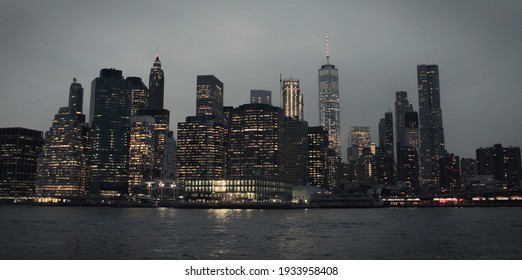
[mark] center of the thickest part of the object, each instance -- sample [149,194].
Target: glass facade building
[329,112]
[431,131]
[110,131]
[19,150]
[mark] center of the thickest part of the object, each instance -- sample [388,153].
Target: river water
[39,232]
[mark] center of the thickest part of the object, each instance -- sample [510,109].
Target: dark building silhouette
[259,96]
[295,152]
[384,167]
[76,97]
[501,162]
[386,134]
[402,106]
[156,85]
[19,149]
[449,165]
[317,156]
[431,131]
[209,96]
[408,151]
[468,169]
[110,127]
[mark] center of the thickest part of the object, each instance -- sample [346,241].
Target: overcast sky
[376,45]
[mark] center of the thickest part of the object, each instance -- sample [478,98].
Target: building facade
[141,151]
[292,100]
[19,150]
[201,153]
[503,163]
[110,131]
[386,134]
[431,131]
[259,96]
[139,95]
[209,96]
[255,141]
[317,156]
[329,111]
[156,85]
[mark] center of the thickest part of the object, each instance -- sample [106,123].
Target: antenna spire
[327,50]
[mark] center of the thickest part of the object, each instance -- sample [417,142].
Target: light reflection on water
[163,233]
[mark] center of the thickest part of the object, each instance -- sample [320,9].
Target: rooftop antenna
[327,51]
[281,90]
[157,50]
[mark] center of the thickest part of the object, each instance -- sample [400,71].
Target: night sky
[376,45]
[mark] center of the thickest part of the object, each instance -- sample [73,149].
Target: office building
[19,150]
[295,152]
[431,131]
[156,85]
[292,100]
[161,132]
[258,96]
[360,138]
[329,111]
[110,128]
[449,165]
[501,162]
[386,134]
[201,152]
[141,152]
[317,156]
[209,96]
[62,164]
[139,95]
[255,141]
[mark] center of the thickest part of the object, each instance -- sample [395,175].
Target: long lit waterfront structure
[253,190]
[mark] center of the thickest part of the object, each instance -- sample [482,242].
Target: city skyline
[376,56]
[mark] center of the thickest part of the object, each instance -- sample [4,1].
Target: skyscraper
[201,152]
[329,113]
[431,130]
[161,132]
[292,100]
[317,156]
[260,96]
[76,97]
[141,151]
[209,96]
[402,106]
[110,127]
[19,149]
[139,95]
[449,165]
[255,142]
[503,163]
[360,138]
[408,151]
[386,133]
[156,85]
[295,152]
